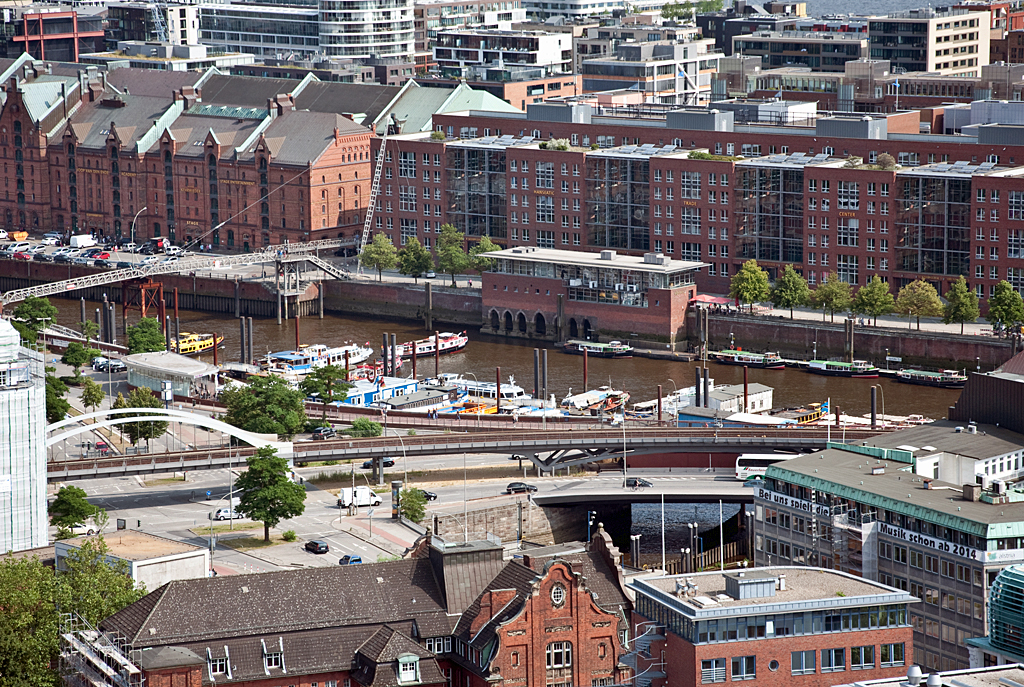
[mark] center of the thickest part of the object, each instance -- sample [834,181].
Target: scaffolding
[91,658]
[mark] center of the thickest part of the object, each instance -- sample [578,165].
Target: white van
[364,497]
[82,241]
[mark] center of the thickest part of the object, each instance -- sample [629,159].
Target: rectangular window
[218,666]
[1016,200]
[892,655]
[712,670]
[931,564]
[833,660]
[545,209]
[559,655]
[545,172]
[274,660]
[744,667]
[407,165]
[848,194]
[862,657]
[848,231]
[916,559]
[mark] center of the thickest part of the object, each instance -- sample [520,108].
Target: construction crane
[268,254]
[158,21]
[374,188]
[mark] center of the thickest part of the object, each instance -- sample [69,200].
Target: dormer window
[408,669]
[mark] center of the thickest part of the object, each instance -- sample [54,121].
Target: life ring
[371,374]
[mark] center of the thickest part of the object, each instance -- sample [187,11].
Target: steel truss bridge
[296,252]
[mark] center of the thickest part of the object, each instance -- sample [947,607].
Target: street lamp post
[887,359]
[815,355]
[405,458]
[133,222]
[478,406]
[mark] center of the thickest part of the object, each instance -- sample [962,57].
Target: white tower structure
[23,522]
[361,28]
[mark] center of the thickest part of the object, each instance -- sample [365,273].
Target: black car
[324,433]
[428,495]
[637,483]
[147,250]
[388,463]
[42,257]
[517,456]
[519,488]
[63,259]
[317,546]
[125,265]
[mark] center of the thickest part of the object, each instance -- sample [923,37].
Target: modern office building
[175,22]
[58,34]
[1004,642]
[549,52]
[168,57]
[880,512]
[601,41]
[432,16]
[24,524]
[821,51]
[951,42]
[776,625]
[354,28]
[261,29]
[663,72]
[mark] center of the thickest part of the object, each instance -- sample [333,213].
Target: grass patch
[246,543]
[240,526]
[162,480]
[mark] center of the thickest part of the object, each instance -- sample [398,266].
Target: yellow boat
[192,344]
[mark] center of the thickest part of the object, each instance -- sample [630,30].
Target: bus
[754,465]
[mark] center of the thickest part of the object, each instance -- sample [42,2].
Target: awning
[704,298]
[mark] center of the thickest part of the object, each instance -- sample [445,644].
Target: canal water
[639,376]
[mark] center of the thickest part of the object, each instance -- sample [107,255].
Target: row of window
[805,662]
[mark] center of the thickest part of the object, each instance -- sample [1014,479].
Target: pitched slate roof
[377,659]
[465,569]
[191,132]
[152,82]
[245,91]
[185,611]
[600,579]
[514,576]
[347,98]
[299,136]
[133,118]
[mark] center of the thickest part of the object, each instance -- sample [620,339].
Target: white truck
[82,241]
[364,496]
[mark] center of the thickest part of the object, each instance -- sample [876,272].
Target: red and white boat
[450,343]
[368,371]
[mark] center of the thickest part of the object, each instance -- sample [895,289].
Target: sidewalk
[387,534]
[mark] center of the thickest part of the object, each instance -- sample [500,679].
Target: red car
[102,256]
[22,256]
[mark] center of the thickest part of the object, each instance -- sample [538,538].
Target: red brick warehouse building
[782,626]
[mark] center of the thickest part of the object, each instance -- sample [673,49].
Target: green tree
[1005,306]
[451,254]
[32,316]
[705,6]
[413,259]
[28,614]
[365,427]
[90,330]
[328,383]
[142,397]
[92,394]
[874,299]
[76,355]
[412,504]
[268,405]
[92,585]
[57,406]
[478,254]
[268,496]
[750,284]
[677,11]
[70,508]
[379,254]
[886,161]
[832,296]
[146,337]
[790,290]
[961,304]
[918,299]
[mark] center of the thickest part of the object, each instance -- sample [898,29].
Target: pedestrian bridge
[547,450]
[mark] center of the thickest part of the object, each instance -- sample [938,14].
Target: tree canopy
[413,259]
[141,397]
[365,427]
[680,11]
[750,284]
[268,405]
[57,406]
[874,299]
[918,299]
[328,383]
[961,304]
[412,504]
[1005,306]
[90,330]
[146,337]
[832,296]
[790,290]
[32,316]
[70,508]
[76,355]
[379,254]
[92,394]
[268,495]
[478,254]
[451,254]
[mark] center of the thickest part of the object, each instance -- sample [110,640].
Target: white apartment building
[664,71]
[950,42]
[580,9]
[365,28]
[23,521]
[432,16]
[551,52]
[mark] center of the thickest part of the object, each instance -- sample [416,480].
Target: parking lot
[84,250]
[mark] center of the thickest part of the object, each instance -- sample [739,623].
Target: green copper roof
[847,473]
[1006,611]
